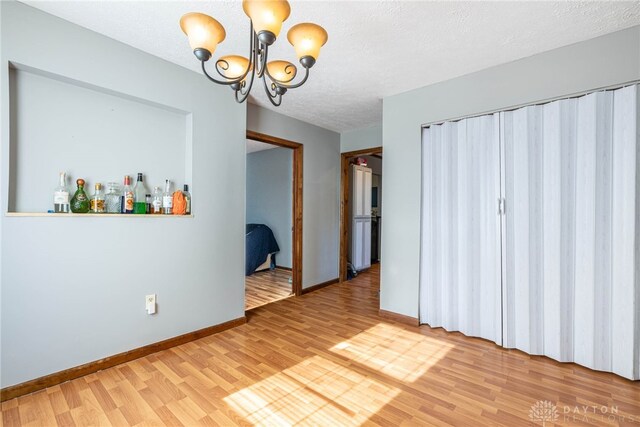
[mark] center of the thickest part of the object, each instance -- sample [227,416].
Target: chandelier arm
[274,97]
[238,79]
[235,80]
[270,88]
[220,82]
[246,91]
[264,49]
[242,98]
[290,86]
[276,103]
[224,67]
[244,94]
[252,61]
[252,48]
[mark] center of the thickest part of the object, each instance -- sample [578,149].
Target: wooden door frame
[344,204]
[296,266]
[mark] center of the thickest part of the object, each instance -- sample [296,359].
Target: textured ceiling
[375,49]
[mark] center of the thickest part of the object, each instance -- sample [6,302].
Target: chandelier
[238,72]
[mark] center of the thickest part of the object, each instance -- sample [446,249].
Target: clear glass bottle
[140,197]
[80,202]
[167,199]
[97,199]
[127,196]
[187,199]
[113,198]
[156,201]
[61,195]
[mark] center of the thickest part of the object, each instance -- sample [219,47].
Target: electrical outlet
[150,304]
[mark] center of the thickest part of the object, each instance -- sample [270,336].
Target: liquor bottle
[167,199]
[140,194]
[127,196]
[61,195]
[80,201]
[147,200]
[113,199]
[97,200]
[187,199]
[156,201]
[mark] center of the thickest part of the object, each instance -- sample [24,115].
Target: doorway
[268,280]
[371,155]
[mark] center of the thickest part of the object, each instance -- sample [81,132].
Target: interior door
[460,278]
[366,253]
[357,243]
[358,202]
[366,190]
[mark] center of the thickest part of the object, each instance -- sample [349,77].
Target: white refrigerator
[360,216]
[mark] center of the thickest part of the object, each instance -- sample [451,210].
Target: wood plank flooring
[268,286]
[327,359]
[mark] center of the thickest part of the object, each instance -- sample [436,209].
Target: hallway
[326,358]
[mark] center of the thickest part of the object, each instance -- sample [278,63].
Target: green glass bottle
[80,201]
[139,197]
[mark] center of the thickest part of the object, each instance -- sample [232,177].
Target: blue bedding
[260,243]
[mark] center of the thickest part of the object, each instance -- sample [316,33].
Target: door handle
[501,206]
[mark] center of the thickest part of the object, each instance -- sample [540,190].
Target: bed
[261,247]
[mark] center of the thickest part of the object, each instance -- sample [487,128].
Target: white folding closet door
[571,190]
[460,260]
[625,234]
[539,162]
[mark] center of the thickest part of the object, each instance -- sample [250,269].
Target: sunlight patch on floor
[393,351]
[316,391]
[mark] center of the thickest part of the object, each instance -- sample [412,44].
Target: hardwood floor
[326,358]
[267,286]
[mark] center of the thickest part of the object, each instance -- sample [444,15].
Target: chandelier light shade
[267,16]
[203,31]
[238,72]
[307,39]
[233,66]
[282,71]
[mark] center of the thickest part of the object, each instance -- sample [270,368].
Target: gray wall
[321,175]
[269,196]
[359,139]
[603,61]
[72,289]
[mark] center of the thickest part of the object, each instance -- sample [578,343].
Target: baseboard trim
[320,286]
[117,359]
[397,317]
[283,268]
